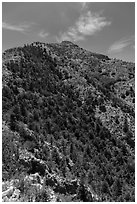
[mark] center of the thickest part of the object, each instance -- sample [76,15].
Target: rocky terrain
[68,125]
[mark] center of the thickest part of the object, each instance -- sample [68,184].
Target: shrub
[42,196]
[102,108]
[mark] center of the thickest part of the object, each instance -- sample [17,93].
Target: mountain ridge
[80,102]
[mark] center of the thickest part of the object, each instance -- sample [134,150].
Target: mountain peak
[67,42]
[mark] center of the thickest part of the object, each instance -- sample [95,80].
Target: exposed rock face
[68,125]
[9,192]
[52,183]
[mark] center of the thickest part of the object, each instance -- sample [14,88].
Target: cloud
[84,5]
[71,35]
[87,24]
[19,28]
[43,34]
[119,46]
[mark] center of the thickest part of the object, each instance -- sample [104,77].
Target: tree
[13,122]
[117,187]
[125,126]
[105,187]
[10,153]
[55,156]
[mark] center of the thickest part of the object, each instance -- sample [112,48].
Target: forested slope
[68,117]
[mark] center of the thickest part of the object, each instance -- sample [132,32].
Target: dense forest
[69,120]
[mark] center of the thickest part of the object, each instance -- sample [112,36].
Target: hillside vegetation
[68,125]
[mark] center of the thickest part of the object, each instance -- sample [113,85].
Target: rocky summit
[68,125]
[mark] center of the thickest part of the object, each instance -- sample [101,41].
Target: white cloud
[84,5]
[87,24]
[118,46]
[43,34]
[19,28]
[71,35]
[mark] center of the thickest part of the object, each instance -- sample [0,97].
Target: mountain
[68,125]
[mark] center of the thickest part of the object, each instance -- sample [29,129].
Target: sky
[101,27]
